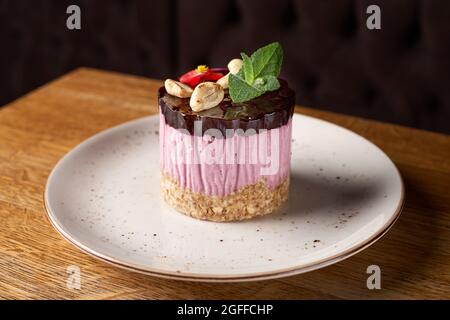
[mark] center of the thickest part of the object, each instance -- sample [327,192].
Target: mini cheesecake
[229,162]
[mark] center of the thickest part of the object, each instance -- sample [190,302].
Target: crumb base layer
[248,202]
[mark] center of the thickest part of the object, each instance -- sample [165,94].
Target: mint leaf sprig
[258,74]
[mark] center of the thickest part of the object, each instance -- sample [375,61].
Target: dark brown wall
[398,74]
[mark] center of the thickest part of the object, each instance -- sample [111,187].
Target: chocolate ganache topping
[268,111]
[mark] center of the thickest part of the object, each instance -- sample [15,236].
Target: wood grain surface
[39,128]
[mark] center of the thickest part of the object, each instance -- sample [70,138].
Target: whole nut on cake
[235,65]
[177,89]
[223,82]
[206,95]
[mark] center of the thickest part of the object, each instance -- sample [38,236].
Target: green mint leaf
[267,60]
[258,74]
[240,90]
[266,83]
[247,68]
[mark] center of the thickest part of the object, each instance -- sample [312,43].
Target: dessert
[225,138]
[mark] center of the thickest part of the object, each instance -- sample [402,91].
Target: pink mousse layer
[221,178]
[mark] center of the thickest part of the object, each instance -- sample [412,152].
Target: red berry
[202,74]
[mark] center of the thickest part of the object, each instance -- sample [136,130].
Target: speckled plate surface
[104,198]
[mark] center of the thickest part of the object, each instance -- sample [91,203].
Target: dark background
[399,74]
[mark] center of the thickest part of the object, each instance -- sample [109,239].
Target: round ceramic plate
[104,198]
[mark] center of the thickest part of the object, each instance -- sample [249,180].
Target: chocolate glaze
[268,111]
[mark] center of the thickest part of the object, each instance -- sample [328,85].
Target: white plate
[104,198]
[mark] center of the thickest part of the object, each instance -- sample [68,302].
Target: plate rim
[203,277]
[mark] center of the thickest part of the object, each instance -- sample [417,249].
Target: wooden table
[39,128]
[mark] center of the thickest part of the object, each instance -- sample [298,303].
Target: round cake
[227,160]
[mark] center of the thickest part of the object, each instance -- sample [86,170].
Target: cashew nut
[235,65]
[206,95]
[177,89]
[224,81]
